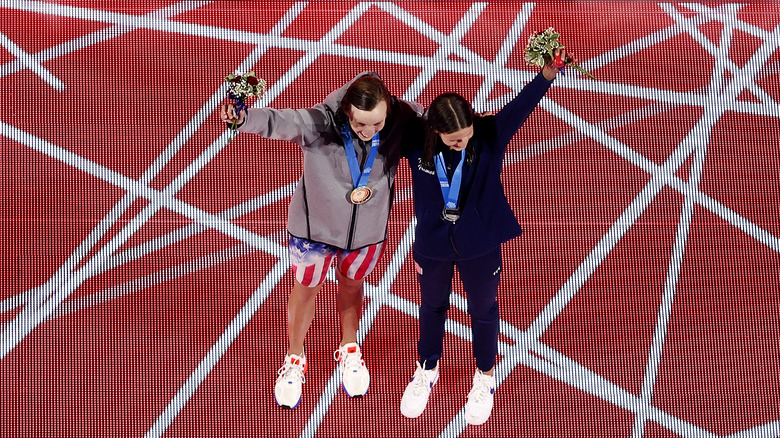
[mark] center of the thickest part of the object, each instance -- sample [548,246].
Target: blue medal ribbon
[359,178]
[450,190]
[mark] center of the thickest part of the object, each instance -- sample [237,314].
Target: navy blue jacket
[486,219]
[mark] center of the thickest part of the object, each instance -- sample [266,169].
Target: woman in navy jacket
[463,217]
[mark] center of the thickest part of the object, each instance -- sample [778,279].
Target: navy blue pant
[480,277]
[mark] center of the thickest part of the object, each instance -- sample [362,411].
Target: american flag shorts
[311,260]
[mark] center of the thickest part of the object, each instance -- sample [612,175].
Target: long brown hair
[448,113]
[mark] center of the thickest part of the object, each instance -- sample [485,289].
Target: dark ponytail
[448,113]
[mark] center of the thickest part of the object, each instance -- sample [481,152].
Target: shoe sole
[473,422]
[405,414]
[408,415]
[287,406]
[350,395]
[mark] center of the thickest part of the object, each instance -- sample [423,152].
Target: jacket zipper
[354,206]
[451,164]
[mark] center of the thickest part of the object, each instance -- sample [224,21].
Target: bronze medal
[360,195]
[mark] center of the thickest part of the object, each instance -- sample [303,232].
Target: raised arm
[300,126]
[510,118]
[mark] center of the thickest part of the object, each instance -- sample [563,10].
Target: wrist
[235,124]
[549,72]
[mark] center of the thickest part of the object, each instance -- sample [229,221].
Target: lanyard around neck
[450,190]
[359,178]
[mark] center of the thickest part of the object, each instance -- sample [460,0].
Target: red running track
[144,260]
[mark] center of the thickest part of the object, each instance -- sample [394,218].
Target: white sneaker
[354,374]
[289,384]
[415,397]
[480,401]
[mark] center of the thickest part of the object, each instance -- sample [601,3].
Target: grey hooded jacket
[319,210]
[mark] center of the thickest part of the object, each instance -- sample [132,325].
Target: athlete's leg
[310,262]
[481,277]
[435,278]
[352,267]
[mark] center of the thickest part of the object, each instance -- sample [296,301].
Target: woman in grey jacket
[340,208]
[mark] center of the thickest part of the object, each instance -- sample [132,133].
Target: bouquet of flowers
[242,88]
[541,48]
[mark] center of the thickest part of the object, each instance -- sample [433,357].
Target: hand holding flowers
[241,89]
[544,48]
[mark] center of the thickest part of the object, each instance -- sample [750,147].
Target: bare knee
[349,285]
[302,292]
